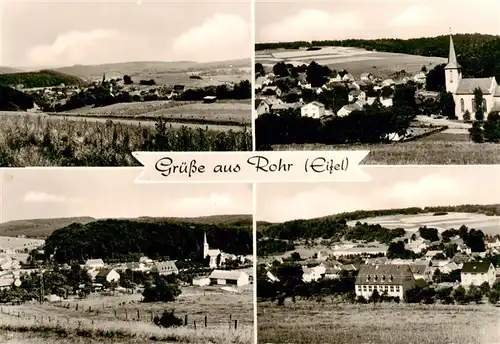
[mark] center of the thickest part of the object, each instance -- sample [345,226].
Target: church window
[484,106]
[451,76]
[473,105]
[462,104]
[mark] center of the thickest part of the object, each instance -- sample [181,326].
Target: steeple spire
[452,58]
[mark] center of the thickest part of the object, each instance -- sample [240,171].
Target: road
[144,123]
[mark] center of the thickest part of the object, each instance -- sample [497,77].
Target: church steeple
[452,71]
[452,57]
[205,245]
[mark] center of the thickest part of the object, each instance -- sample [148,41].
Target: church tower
[205,245]
[452,71]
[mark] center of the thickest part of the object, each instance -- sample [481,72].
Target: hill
[42,228]
[7,70]
[119,239]
[14,100]
[42,78]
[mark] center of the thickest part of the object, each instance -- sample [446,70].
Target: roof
[363,75]
[209,97]
[432,253]
[476,267]
[418,269]
[166,265]
[468,85]
[385,274]
[103,272]
[497,91]
[94,261]
[257,102]
[226,274]
[452,57]
[315,103]
[352,107]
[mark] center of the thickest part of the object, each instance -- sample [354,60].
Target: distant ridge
[42,228]
[42,78]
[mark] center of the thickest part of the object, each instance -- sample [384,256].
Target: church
[212,253]
[463,88]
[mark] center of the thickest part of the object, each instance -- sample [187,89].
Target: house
[367,77]
[347,109]
[492,242]
[430,254]
[387,102]
[421,271]
[94,264]
[271,276]
[314,109]
[272,90]
[260,82]
[201,282]
[420,78]
[348,77]
[323,255]
[107,276]
[263,106]
[356,95]
[388,82]
[146,260]
[226,277]
[165,268]
[463,88]
[209,99]
[394,280]
[134,266]
[476,273]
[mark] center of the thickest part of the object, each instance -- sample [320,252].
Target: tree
[474,294]
[447,105]
[467,116]
[476,132]
[479,104]
[485,288]
[127,80]
[435,79]
[295,256]
[444,295]
[491,127]
[161,291]
[459,295]
[375,297]
[494,297]
[259,69]
[218,259]
[168,319]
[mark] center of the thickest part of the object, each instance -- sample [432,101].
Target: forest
[119,239]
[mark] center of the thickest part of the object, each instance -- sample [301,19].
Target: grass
[222,112]
[313,322]
[42,141]
[217,305]
[421,152]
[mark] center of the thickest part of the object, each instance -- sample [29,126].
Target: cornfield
[42,141]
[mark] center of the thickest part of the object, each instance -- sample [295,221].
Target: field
[168,73]
[354,60]
[10,243]
[43,141]
[314,322]
[431,151]
[222,112]
[221,308]
[490,225]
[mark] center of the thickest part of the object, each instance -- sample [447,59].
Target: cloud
[88,47]
[220,37]
[42,197]
[311,24]
[212,204]
[413,16]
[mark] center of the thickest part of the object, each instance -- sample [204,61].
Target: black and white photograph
[414,82]
[88,256]
[412,256]
[85,83]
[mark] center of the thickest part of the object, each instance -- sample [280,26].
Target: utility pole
[41,286]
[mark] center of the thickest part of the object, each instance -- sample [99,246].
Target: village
[218,269]
[439,264]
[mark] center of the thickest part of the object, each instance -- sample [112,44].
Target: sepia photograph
[87,83]
[414,82]
[89,256]
[412,256]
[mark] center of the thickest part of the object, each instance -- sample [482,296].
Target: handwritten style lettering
[322,165]
[167,167]
[263,164]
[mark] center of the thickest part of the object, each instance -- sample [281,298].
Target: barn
[226,277]
[209,99]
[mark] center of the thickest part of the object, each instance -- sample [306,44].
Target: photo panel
[89,253]
[416,84]
[89,82]
[412,256]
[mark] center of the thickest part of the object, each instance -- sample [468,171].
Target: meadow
[10,243]
[222,112]
[429,151]
[326,322]
[354,60]
[43,141]
[102,323]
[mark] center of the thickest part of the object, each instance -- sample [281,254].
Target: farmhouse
[94,264]
[263,106]
[463,88]
[165,268]
[238,278]
[393,279]
[107,275]
[476,273]
[314,110]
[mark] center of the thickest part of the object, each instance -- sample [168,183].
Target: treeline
[112,239]
[43,78]
[479,53]
[14,100]
[241,90]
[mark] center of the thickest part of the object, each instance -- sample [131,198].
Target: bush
[168,319]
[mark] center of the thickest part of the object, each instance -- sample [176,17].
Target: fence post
[138,315]
[194,323]
[115,313]
[126,315]
[76,307]
[152,317]
[205,321]
[236,324]
[186,320]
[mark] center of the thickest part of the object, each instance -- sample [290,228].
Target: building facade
[476,273]
[394,280]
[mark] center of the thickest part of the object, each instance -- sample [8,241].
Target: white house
[107,275]
[94,264]
[201,282]
[420,78]
[476,273]
[393,279]
[356,95]
[348,77]
[165,268]
[463,88]
[492,243]
[314,109]
[272,90]
[387,102]
[226,277]
[367,77]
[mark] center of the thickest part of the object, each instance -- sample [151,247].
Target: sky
[112,193]
[295,21]
[73,32]
[395,187]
